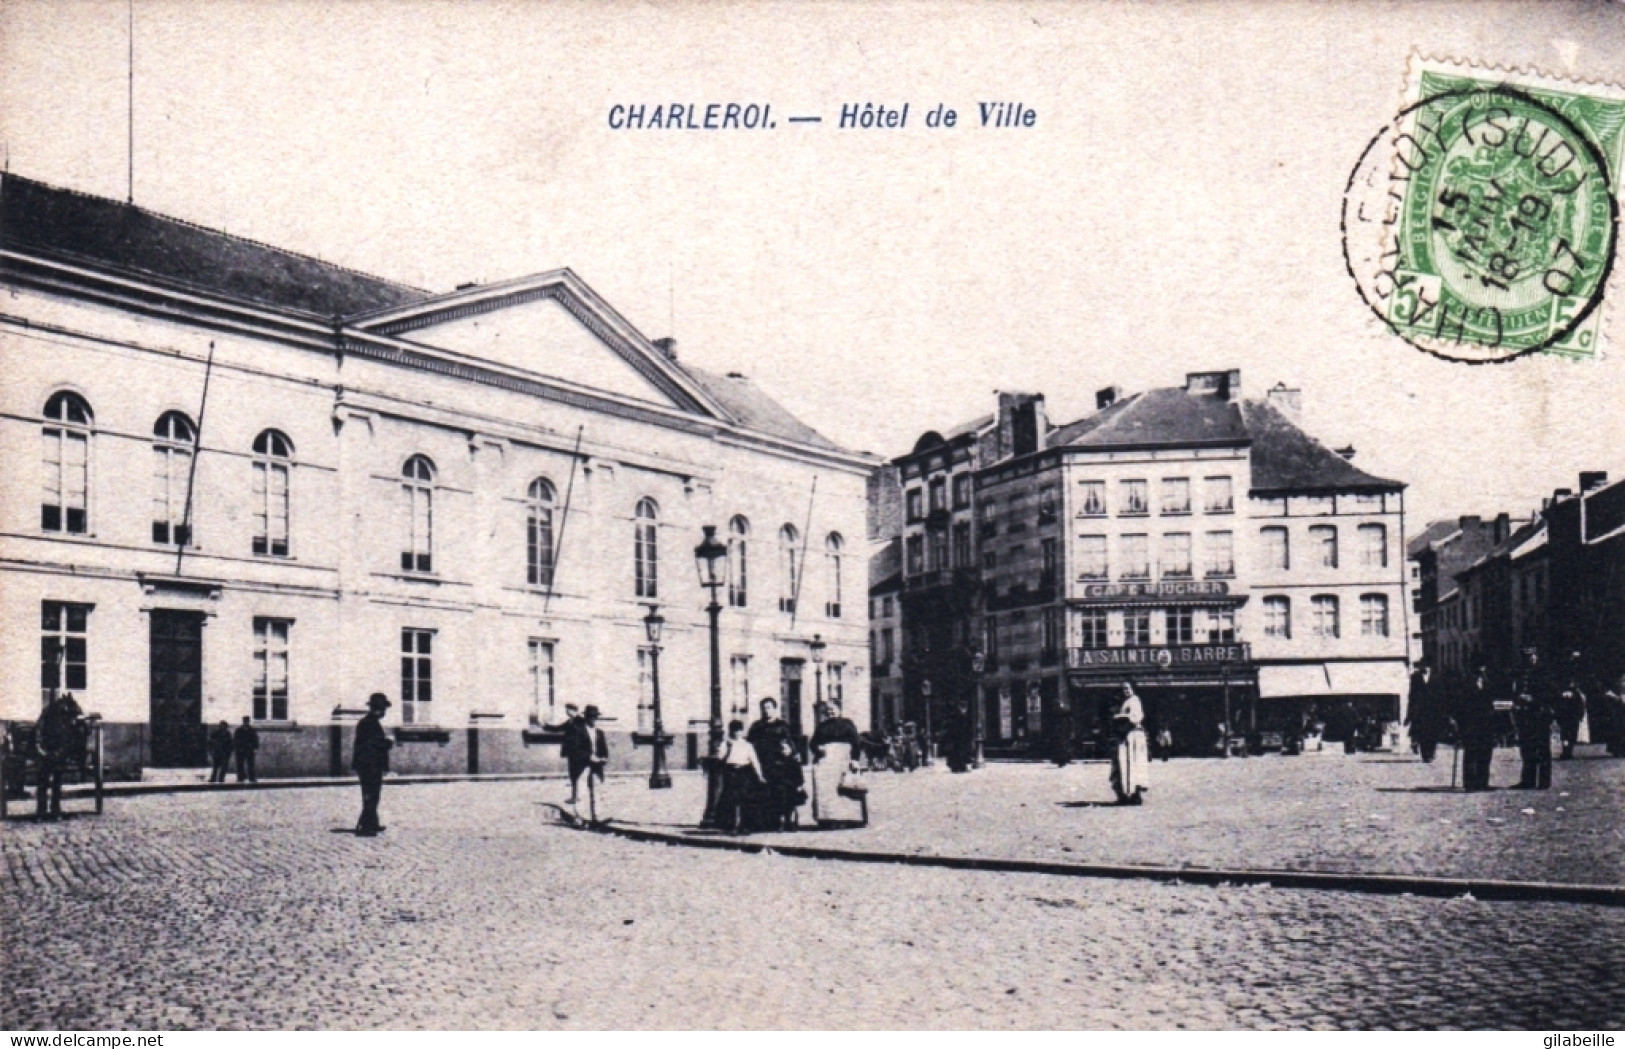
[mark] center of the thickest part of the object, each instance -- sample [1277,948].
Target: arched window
[175,438]
[738,575]
[273,461]
[417,508]
[832,579]
[65,503]
[789,544]
[539,533]
[646,549]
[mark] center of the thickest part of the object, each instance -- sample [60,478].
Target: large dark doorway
[790,693]
[177,734]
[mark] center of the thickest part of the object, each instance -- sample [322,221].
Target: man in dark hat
[245,742]
[597,760]
[370,761]
[1532,716]
[1477,723]
[1569,706]
[575,749]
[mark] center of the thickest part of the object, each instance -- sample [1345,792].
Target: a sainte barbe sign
[1157,656]
[1189,588]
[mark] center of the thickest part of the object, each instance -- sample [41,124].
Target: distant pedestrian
[245,743]
[576,750]
[1165,743]
[60,741]
[1569,707]
[1424,715]
[220,747]
[1614,718]
[596,763]
[742,780]
[1532,716]
[369,761]
[1477,725]
[1130,767]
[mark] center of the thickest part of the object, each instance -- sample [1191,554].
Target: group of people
[1481,712]
[224,744]
[763,782]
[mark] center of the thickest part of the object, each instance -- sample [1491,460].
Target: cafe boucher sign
[1157,656]
[1118,591]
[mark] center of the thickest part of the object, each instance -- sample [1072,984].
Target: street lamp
[978,716]
[659,778]
[817,646]
[707,556]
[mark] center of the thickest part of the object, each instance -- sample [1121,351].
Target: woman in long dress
[1130,764]
[781,792]
[833,743]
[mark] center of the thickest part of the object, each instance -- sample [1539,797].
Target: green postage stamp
[1482,223]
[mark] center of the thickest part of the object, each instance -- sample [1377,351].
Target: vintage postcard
[909,516]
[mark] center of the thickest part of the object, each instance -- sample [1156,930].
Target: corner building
[244,482]
[1200,545]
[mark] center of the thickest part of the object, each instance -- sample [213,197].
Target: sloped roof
[1284,458]
[1166,416]
[1433,533]
[1505,547]
[886,564]
[76,227]
[755,410]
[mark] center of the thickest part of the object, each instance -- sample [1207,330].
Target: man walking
[1570,708]
[370,761]
[220,747]
[1476,728]
[245,743]
[1422,714]
[1532,717]
[576,750]
[598,759]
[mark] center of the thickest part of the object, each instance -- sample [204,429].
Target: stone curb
[130,790]
[1382,884]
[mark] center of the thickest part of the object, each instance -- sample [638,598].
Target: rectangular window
[961,491]
[66,502]
[1278,617]
[1134,499]
[1179,626]
[1275,554]
[915,500]
[1220,555]
[271,669]
[1046,574]
[417,676]
[939,494]
[835,684]
[990,559]
[64,662]
[1137,628]
[543,690]
[962,545]
[1176,495]
[170,474]
[990,640]
[1217,495]
[1052,633]
[886,607]
[1323,541]
[739,686]
[1092,630]
[1323,609]
[1373,545]
[646,693]
[539,546]
[1048,505]
[1092,498]
[270,509]
[938,559]
[1092,557]
[916,554]
[1221,626]
[1373,615]
[1136,550]
[1176,555]
[887,646]
[418,507]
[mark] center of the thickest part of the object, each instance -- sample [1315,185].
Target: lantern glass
[652,624]
[817,646]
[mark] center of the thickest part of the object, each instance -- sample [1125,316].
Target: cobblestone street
[475,909]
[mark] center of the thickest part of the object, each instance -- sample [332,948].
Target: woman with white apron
[833,744]
[1131,762]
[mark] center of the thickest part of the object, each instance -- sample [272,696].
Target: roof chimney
[1224,384]
[1108,397]
[667,348]
[1503,527]
[1288,400]
[1022,422]
[1591,479]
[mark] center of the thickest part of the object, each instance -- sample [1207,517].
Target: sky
[1174,207]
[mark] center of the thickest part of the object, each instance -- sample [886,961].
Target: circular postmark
[1480,225]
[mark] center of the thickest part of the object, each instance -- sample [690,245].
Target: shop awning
[1313,680]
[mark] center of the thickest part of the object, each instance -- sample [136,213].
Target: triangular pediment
[543,337]
[552,326]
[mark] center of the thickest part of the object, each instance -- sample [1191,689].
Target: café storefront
[1176,643]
